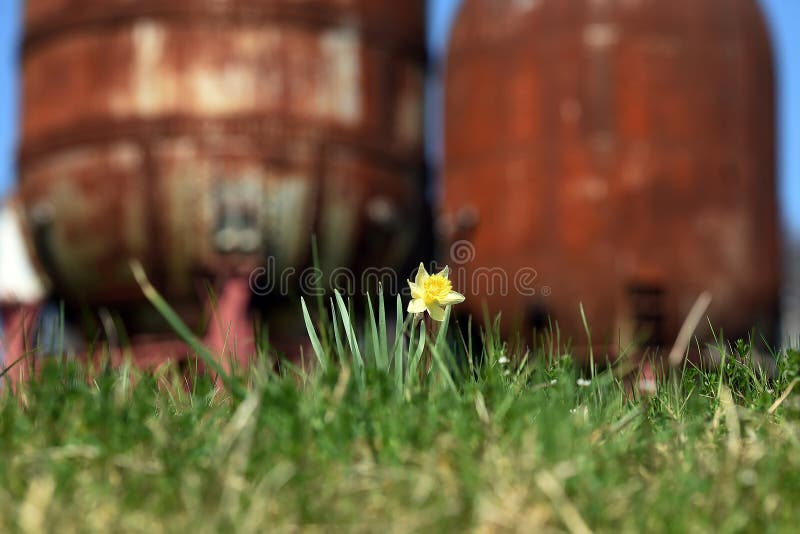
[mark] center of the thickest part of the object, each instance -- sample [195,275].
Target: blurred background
[633,152]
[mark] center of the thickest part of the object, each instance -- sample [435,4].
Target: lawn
[441,431]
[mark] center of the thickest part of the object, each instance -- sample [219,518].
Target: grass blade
[336,335]
[398,346]
[350,333]
[414,359]
[312,335]
[183,331]
[588,341]
[382,334]
[373,329]
[442,334]
[443,368]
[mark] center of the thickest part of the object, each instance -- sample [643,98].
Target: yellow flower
[432,292]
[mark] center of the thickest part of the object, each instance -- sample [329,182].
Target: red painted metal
[625,150]
[230,334]
[18,341]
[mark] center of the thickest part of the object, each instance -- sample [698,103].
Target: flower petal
[422,275]
[444,272]
[416,306]
[416,291]
[451,298]
[436,311]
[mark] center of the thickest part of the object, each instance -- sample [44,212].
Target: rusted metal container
[622,149]
[202,137]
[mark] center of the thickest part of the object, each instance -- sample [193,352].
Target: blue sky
[9,45]
[783,17]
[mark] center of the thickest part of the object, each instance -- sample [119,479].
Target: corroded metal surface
[624,149]
[201,137]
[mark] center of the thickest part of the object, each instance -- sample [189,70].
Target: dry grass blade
[551,487]
[726,411]
[5,370]
[687,329]
[783,396]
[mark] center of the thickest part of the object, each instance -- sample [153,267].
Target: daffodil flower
[432,292]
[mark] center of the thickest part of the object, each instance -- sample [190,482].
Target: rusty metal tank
[618,154]
[202,137]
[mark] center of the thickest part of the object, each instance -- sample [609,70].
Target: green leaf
[350,333]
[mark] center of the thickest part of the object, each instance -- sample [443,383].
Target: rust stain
[202,137]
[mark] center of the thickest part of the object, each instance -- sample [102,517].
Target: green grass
[428,433]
